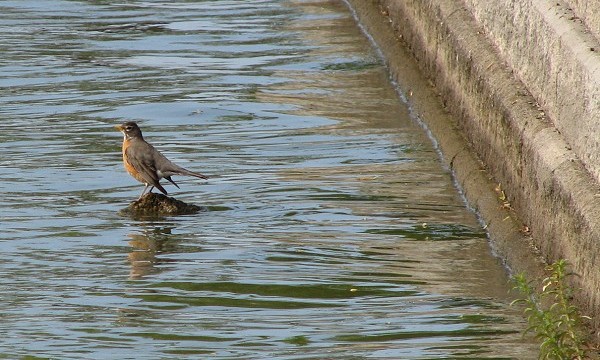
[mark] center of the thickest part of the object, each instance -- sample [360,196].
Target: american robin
[146,164]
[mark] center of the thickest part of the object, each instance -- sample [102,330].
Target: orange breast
[130,169]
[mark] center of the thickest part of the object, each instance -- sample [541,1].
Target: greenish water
[332,232]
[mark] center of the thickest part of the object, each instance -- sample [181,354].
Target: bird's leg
[143,191]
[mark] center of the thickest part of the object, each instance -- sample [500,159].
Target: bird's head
[130,130]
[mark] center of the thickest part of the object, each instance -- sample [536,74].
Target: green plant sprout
[551,316]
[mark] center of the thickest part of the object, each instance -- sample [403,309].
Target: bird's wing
[139,155]
[166,167]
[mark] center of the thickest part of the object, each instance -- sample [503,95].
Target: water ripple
[330,228]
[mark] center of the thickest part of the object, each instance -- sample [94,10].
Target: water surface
[332,229]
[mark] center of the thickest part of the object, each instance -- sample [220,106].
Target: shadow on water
[329,229]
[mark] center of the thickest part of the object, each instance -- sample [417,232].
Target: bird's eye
[128,128]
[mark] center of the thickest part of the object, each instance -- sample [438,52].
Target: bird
[146,164]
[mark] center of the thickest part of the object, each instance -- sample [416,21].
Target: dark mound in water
[157,205]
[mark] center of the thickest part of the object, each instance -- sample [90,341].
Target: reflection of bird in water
[145,247]
[146,164]
[143,256]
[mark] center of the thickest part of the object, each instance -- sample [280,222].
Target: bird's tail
[191,173]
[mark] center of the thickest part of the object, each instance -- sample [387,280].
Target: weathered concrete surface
[521,80]
[557,58]
[587,11]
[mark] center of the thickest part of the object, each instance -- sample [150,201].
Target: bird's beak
[119,127]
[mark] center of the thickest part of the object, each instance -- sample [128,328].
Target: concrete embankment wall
[522,81]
